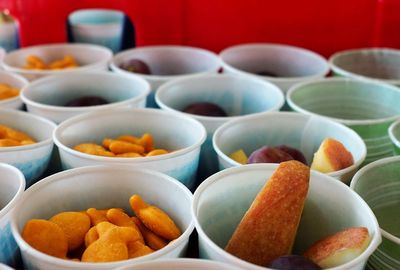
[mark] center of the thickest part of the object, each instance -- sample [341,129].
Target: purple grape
[86,101]
[296,154]
[268,154]
[293,262]
[205,108]
[136,66]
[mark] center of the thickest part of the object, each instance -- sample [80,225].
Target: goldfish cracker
[34,62]
[129,138]
[154,218]
[91,236]
[111,246]
[46,236]
[129,155]
[14,134]
[157,152]
[121,147]
[119,218]
[9,143]
[7,91]
[93,149]
[152,240]
[137,249]
[26,142]
[75,226]
[96,216]
[147,142]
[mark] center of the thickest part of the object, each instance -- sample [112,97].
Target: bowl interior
[171,60]
[346,99]
[330,205]
[169,131]
[58,90]
[236,96]
[275,60]
[378,64]
[299,131]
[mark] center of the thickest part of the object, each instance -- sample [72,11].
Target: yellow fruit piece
[239,156]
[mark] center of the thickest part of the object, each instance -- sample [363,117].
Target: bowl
[280,64]
[87,187]
[47,96]
[15,81]
[237,96]
[88,56]
[167,62]
[394,135]
[180,264]
[296,130]
[31,159]
[378,184]
[182,134]
[12,185]
[365,106]
[222,199]
[377,64]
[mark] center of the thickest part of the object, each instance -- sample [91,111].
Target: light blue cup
[9,36]
[98,26]
[236,95]
[181,135]
[32,159]
[12,185]
[394,135]
[303,132]
[220,202]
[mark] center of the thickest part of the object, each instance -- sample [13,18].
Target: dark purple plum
[293,262]
[86,101]
[296,154]
[136,66]
[205,108]
[267,154]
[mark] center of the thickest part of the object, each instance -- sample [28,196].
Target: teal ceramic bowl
[394,134]
[367,107]
[378,184]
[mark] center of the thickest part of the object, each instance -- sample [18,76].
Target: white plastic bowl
[88,56]
[180,133]
[220,202]
[31,159]
[12,185]
[180,264]
[303,132]
[15,81]
[168,62]
[46,96]
[291,64]
[237,96]
[101,187]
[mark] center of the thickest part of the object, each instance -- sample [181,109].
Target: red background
[319,25]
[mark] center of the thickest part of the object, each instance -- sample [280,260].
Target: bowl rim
[58,108]
[244,119]
[391,131]
[299,86]
[222,77]
[104,50]
[20,178]
[374,243]
[33,117]
[62,176]
[90,115]
[127,53]
[357,178]
[301,50]
[372,50]
[24,82]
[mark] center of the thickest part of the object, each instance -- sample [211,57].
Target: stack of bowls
[394,134]
[378,184]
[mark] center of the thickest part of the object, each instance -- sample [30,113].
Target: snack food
[7,91]
[339,248]
[86,101]
[123,146]
[13,137]
[269,227]
[35,62]
[205,109]
[136,66]
[331,156]
[102,235]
